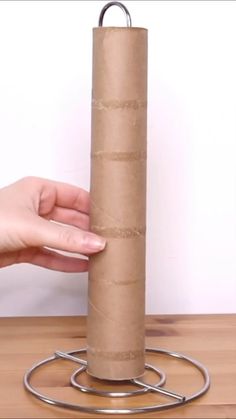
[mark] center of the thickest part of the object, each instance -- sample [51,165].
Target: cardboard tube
[115,329]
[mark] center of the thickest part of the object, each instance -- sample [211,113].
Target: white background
[45,89]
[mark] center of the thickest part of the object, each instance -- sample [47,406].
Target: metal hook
[115,3]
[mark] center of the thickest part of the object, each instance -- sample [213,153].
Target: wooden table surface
[209,338]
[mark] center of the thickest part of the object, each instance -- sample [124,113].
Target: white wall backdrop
[45,87]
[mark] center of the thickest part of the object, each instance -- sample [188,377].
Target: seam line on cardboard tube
[118,283]
[103,212]
[102,314]
[117,232]
[116,356]
[119,155]
[100,104]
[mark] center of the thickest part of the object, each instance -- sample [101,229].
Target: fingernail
[95,243]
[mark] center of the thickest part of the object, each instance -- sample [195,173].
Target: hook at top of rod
[115,3]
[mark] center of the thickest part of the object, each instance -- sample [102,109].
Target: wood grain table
[209,338]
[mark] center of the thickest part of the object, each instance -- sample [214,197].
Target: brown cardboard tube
[115,329]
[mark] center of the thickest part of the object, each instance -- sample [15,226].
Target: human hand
[27,209]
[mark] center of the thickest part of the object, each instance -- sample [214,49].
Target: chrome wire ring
[179,400]
[127,393]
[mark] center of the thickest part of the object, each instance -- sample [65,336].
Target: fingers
[30,202]
[56,236]
[52,260]
[69,196]
[8,258]
[66,196]
[71,217]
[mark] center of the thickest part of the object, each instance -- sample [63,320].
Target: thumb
[61,237]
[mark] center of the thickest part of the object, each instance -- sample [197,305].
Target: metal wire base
[143,387]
